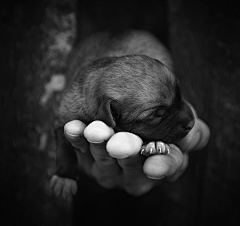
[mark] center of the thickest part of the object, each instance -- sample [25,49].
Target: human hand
[114,160]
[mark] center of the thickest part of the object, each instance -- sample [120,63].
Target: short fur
[126,81]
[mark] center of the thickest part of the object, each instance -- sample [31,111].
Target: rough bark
[38,40]
[205,44]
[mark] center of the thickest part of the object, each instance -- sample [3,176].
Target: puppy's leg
[69,108]
[63,182]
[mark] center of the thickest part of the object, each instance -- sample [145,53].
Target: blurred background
[204,39]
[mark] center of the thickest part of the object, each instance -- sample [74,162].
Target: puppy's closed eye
[160,112]
[157,115]
[156,120]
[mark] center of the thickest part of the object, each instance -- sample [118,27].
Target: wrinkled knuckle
[106,161]
[125,163]
[106,182]
[137,190]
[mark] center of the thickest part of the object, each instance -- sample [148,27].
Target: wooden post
[205,45]
[39,40]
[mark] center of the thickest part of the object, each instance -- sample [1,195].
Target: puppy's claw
[167,149]
[160,147]
[148,149]
[159,150]
[144,151]
[151,151]
[155,148]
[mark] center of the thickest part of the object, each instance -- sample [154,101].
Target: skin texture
[112,165]
[125,81]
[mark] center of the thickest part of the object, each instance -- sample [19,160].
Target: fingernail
[72,136]
[74,128]
[156,178]
[97,132]
[96,142]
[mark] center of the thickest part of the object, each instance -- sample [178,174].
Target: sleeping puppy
[127,82]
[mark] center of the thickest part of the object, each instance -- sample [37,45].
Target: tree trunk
[205,45]
[37,42]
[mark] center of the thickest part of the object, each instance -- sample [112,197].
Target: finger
[73,131]
[107,176]
[138,185]
[132,165]
[182,168]
[105,173]
[126,148]
[85,162]
[197,138]
[159,166]
[105,169]
[124,144]
[97,133]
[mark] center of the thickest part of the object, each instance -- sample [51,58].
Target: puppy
[127,82]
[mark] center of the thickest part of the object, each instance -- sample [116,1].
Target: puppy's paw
[155,148]
[64,187]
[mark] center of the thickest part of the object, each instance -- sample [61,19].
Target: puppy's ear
[108,112]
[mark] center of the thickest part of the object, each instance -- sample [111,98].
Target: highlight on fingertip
[74,128]
[124,144]
[98,132]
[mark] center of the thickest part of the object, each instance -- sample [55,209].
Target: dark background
[204,39]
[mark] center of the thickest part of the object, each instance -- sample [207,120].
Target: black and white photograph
[120,113]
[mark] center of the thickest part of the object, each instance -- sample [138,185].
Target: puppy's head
[139,94]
